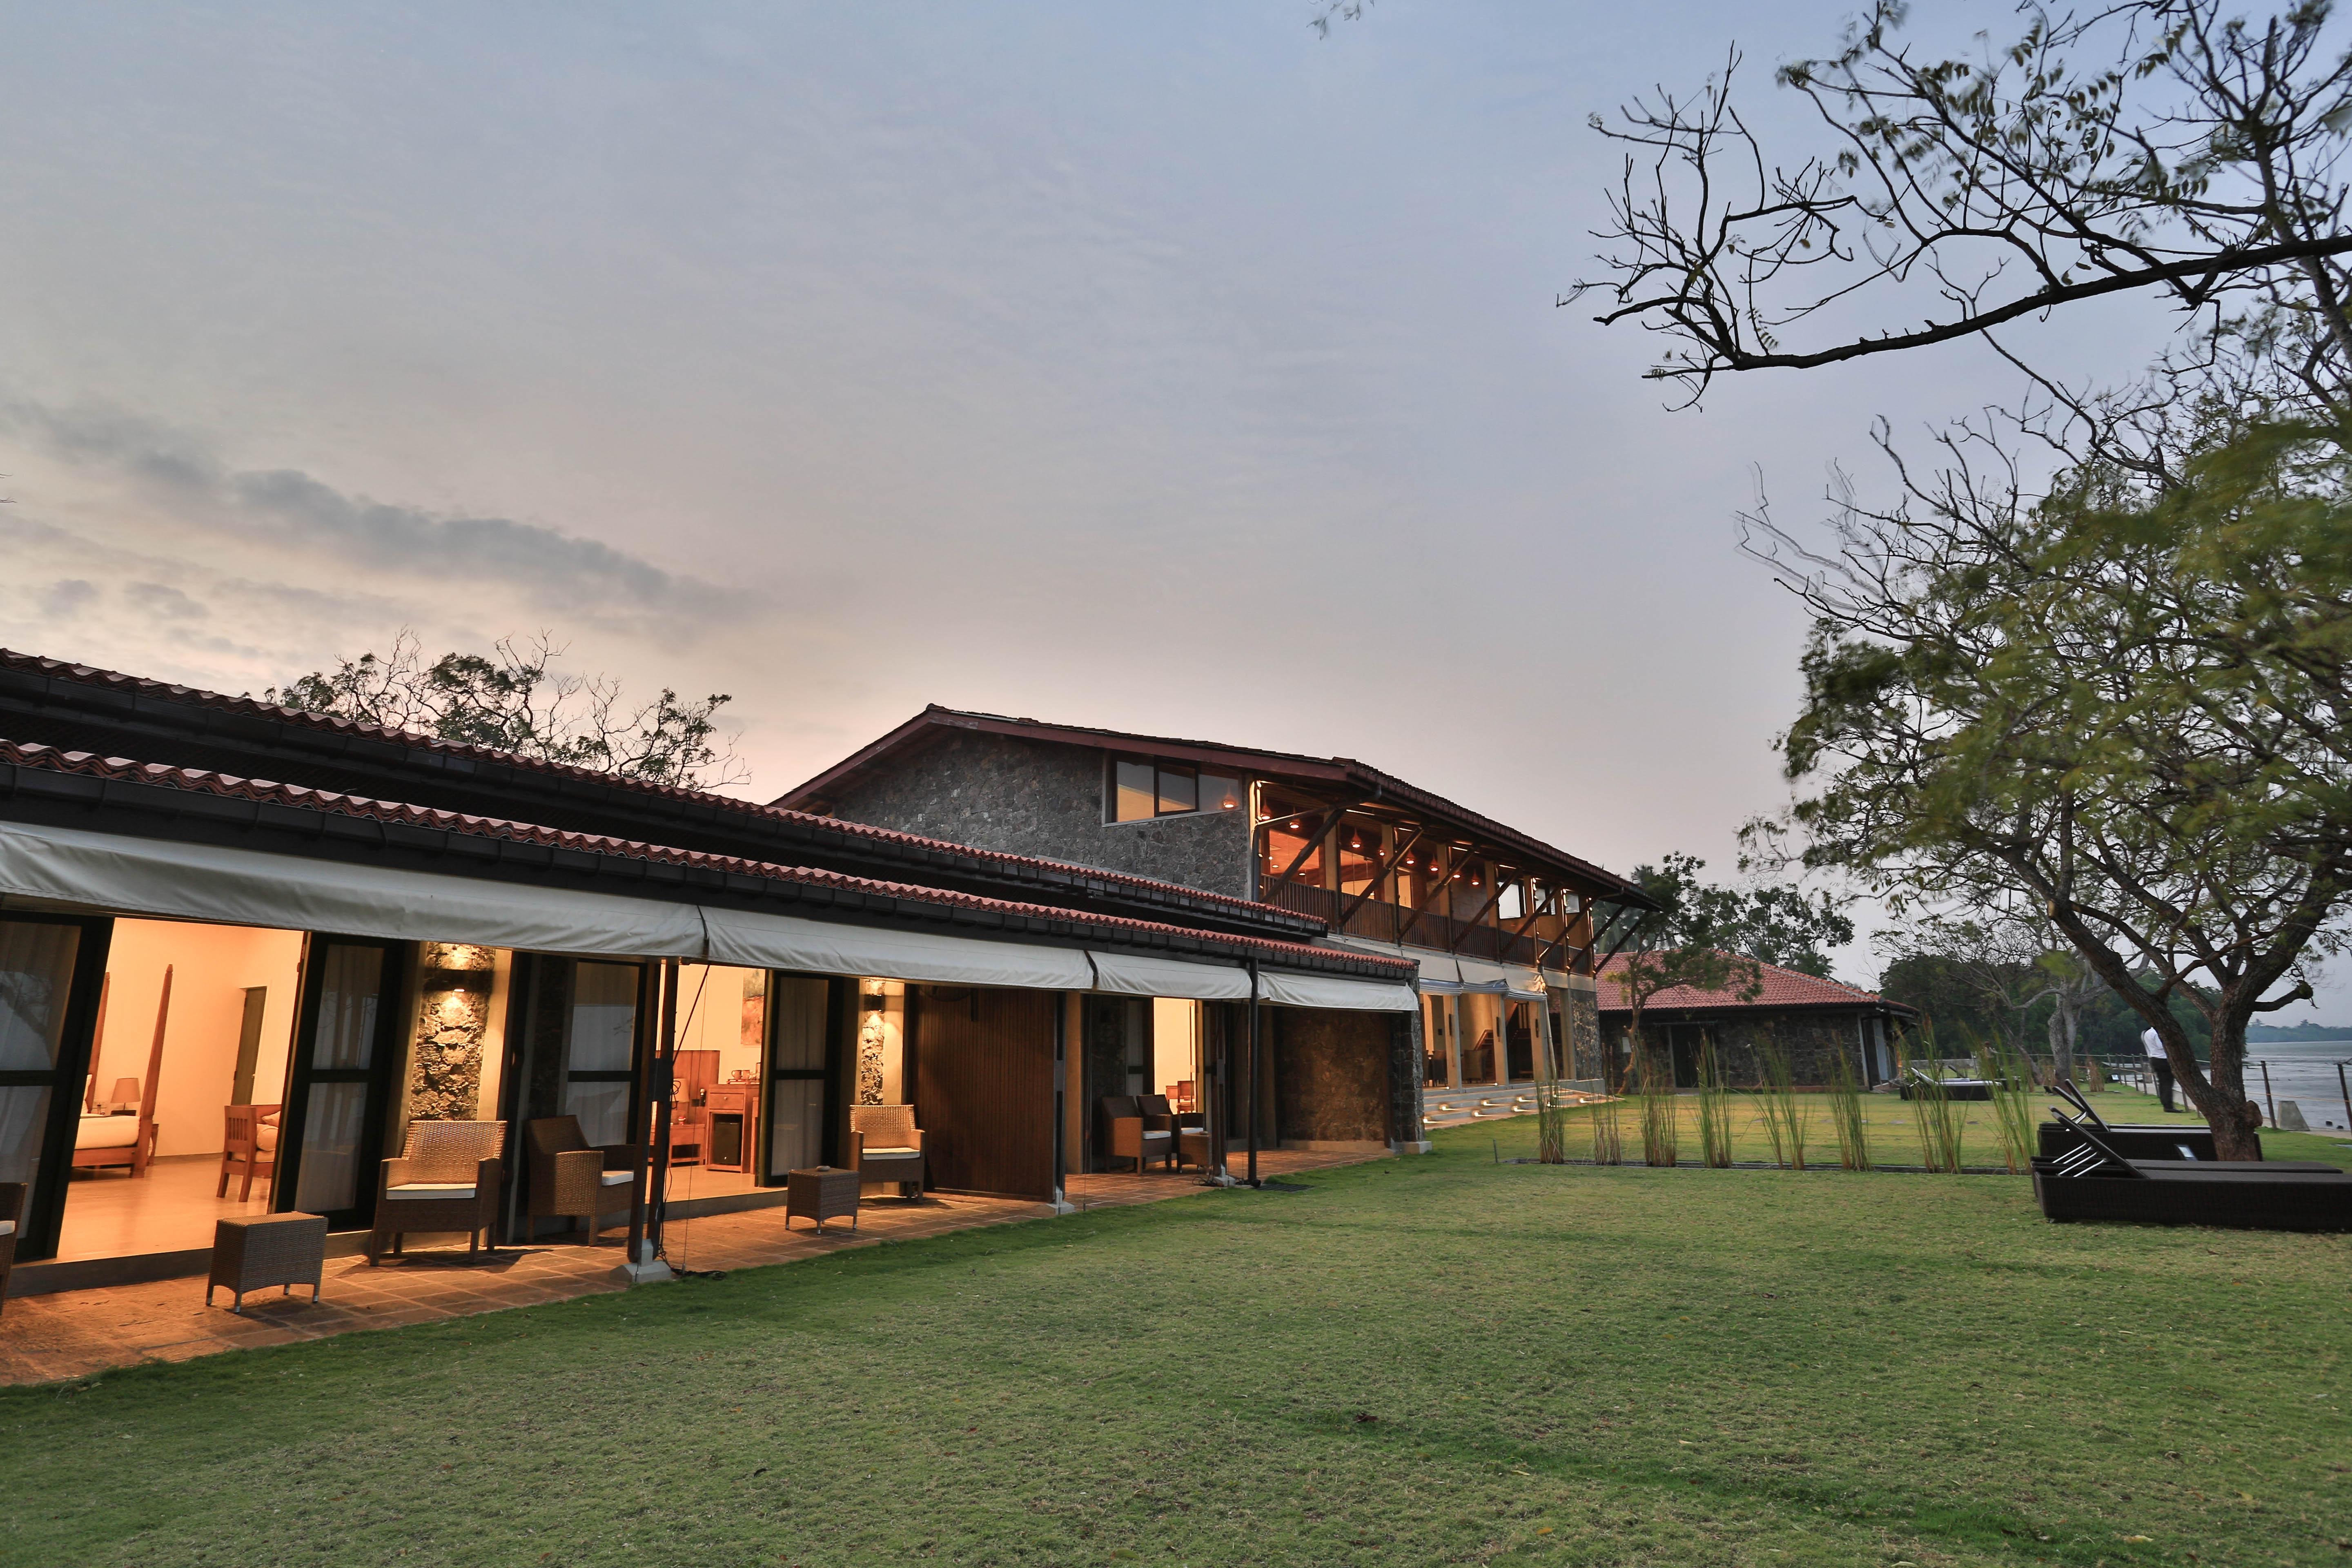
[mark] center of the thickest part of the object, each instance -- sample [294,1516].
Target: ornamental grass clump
[1846,1118]
[1786,1118]
[1658,1111]
[1714,1109]
[1939,1121]
[1608,1135]
[2012,1079]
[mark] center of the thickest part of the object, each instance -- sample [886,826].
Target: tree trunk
[2221,1098]
[2062,1035]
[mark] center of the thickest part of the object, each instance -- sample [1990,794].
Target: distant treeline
[1962,1014]
[2272,1035]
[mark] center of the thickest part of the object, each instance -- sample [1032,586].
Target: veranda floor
[75,1333]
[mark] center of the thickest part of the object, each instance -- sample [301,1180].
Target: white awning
[1133,975]
[759,940]
[247,887]
[1336,991]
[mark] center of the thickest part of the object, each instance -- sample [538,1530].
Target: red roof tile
[1782,988]
[263,791]
[82,674]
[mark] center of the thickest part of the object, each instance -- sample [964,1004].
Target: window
[1135,796]
[1142,790]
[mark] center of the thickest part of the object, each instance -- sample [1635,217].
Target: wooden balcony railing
[1389,922]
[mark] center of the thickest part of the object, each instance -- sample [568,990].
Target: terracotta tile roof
[1343,771]
[198,781]
[140,686]
[1782,988]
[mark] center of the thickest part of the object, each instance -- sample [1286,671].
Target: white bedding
[107,1133]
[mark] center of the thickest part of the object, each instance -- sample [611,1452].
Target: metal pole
[2267,1100]
[1252,1073]
[664,1081]
[2346,1090]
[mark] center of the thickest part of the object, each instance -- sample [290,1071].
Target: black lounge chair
[2132,1140]
[2094,1182]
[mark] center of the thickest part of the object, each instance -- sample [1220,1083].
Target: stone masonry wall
[1331,1075]
[1033,797]
[1814,1041]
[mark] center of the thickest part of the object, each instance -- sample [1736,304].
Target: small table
[255,1250]
[1192,1147]
[820,1193]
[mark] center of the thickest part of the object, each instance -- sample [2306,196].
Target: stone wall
[1814,1042]
[1035,797]
[453,1016]
[1333,1072]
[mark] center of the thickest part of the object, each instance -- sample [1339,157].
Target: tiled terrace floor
[74,1333]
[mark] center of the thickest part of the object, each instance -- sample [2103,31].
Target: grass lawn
[1893,1134]
[1431,1361]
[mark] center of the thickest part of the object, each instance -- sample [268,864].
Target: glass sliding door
[800,1035]
[345,1051]
[600,1049]
[50,970]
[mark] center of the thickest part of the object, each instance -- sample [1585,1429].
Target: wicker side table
[820,1193]
[250,1252]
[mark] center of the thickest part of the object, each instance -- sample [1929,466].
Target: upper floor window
[1142,789]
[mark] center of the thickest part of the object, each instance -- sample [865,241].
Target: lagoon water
[2305,1072]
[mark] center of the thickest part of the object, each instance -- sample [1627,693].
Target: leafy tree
[2009,966]
[2123,701]
[1713,937]
[507,699]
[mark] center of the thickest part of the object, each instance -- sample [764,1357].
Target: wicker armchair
[1188,1131]
[885,1145]
[446,1179]
[1123,1132]
[12,1217]
[571,1179]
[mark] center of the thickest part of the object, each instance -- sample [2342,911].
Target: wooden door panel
[984,1089]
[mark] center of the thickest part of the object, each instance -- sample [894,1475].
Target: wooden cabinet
[733,1113]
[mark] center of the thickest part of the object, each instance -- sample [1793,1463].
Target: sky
[1165,368]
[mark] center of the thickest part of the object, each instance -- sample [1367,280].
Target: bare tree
[511,700]
[2162,146]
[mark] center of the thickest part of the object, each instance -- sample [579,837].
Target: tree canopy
[509,699]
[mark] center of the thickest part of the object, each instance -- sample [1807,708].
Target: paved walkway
[75,1333]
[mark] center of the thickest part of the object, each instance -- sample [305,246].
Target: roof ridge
[1614,966]
[91,674]
[48,758]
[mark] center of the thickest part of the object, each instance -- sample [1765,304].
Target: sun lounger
[2095,1182]
[2132,1140]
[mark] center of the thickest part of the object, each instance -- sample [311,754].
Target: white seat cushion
[431,1190]
[900,1152]
[8,1227]
[618,1178]
[265,1137]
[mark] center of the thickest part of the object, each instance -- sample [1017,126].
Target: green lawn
[1893,1134]
[1431,1361]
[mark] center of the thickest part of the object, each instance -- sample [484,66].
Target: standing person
[2160,1064]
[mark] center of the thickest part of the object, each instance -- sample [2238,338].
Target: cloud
[161,600]
[67,598]
[177,474]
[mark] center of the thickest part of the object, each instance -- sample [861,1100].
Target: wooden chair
[447,1178]
[12,1218]
[571,1179]
[249,1144]
[885,1145]
[1121,1132]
